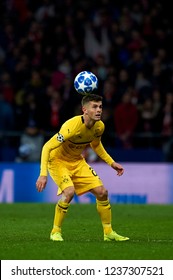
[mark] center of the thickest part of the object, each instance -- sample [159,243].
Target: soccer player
[62,158]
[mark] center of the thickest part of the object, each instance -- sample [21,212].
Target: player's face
[94,110]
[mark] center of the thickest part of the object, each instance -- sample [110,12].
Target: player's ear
[84,109]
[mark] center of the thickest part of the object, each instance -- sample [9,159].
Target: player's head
[92,106]
[91,97]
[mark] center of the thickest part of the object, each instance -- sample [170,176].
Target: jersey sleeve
[64,134]
[97,146]
[50,145]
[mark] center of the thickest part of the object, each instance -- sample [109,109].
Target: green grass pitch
[25,229]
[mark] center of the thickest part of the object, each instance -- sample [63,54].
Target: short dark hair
[91,97]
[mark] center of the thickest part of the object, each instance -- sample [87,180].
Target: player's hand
[118,167]
[41,183]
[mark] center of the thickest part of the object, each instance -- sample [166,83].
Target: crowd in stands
[128,44]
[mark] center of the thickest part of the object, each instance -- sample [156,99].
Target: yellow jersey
[71,140]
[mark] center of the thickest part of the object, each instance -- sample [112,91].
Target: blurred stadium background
[128,45]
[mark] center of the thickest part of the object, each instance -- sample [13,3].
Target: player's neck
[88,122]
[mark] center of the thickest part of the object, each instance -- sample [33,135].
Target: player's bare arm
[118,167]
[41,183]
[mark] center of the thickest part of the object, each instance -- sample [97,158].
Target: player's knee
[102,194]
[68,194]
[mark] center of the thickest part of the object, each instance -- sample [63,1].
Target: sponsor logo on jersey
[77,147]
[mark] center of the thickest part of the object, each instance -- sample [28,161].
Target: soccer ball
[85,82]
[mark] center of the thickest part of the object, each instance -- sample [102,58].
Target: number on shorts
[93,171]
